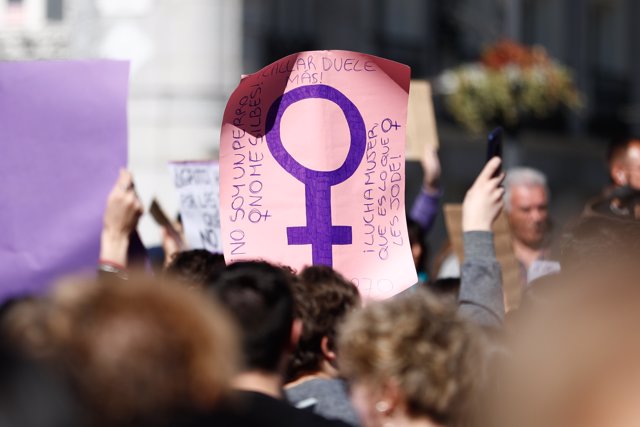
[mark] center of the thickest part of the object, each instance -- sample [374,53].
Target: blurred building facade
[593,37]
[186,58]
[187,55]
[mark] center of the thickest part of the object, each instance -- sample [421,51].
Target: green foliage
[480,95]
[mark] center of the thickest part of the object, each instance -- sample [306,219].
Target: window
[55,10]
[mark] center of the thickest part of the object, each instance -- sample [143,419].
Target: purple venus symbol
[319,232]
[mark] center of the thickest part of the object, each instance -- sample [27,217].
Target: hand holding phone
[494,147]
[161,218]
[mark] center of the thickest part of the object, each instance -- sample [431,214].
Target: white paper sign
[198,189]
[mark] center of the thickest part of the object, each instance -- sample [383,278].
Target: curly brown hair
[323,297]
[196,267]
[419,344]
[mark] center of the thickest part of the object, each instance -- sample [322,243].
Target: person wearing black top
[259,297]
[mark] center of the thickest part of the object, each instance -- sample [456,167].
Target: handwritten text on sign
[312,168]
[198,186]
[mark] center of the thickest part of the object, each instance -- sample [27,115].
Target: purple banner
[63,132]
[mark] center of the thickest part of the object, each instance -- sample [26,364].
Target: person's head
[608,241]
[196,267]
[624,161]
[408,358]
[22,325]
[32,394]
[258,295]
[446,289]
[141,350]
[526,201]
[323,298]
[574,354]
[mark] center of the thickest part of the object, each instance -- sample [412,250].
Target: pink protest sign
[312,168]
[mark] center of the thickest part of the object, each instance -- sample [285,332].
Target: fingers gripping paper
[312,168]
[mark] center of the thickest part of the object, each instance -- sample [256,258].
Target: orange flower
[507,52]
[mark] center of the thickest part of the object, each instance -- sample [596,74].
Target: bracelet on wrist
[113,268]
[113,264]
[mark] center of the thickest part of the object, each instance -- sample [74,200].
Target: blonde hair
[418,343]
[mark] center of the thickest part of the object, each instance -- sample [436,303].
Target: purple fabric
[63,130]
[425,209]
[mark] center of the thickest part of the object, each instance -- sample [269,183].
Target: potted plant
[508,85]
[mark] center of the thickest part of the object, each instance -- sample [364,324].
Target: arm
[172,244]
[120,218]
[425,207]
[481,299]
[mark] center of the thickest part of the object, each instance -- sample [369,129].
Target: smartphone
[161,218]
[494,147]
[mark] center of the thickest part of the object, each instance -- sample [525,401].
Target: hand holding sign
[120,219]
[312,168]
[170,230]
[123,207]
[172,236]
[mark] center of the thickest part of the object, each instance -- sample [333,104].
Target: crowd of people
[202,343]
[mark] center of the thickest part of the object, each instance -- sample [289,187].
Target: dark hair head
[197,267]
[446,289]
[259,297]
[30,386]
[600,240]
[323,298]
[618,146]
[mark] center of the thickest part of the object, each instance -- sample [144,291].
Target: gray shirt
[481,299]
[326,397]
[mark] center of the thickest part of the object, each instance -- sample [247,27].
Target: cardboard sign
[312,168]
[421,120]
[198,189]
[63,131]
[511,276]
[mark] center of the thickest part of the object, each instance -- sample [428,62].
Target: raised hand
[431,167]
[483,201]
[120,218]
